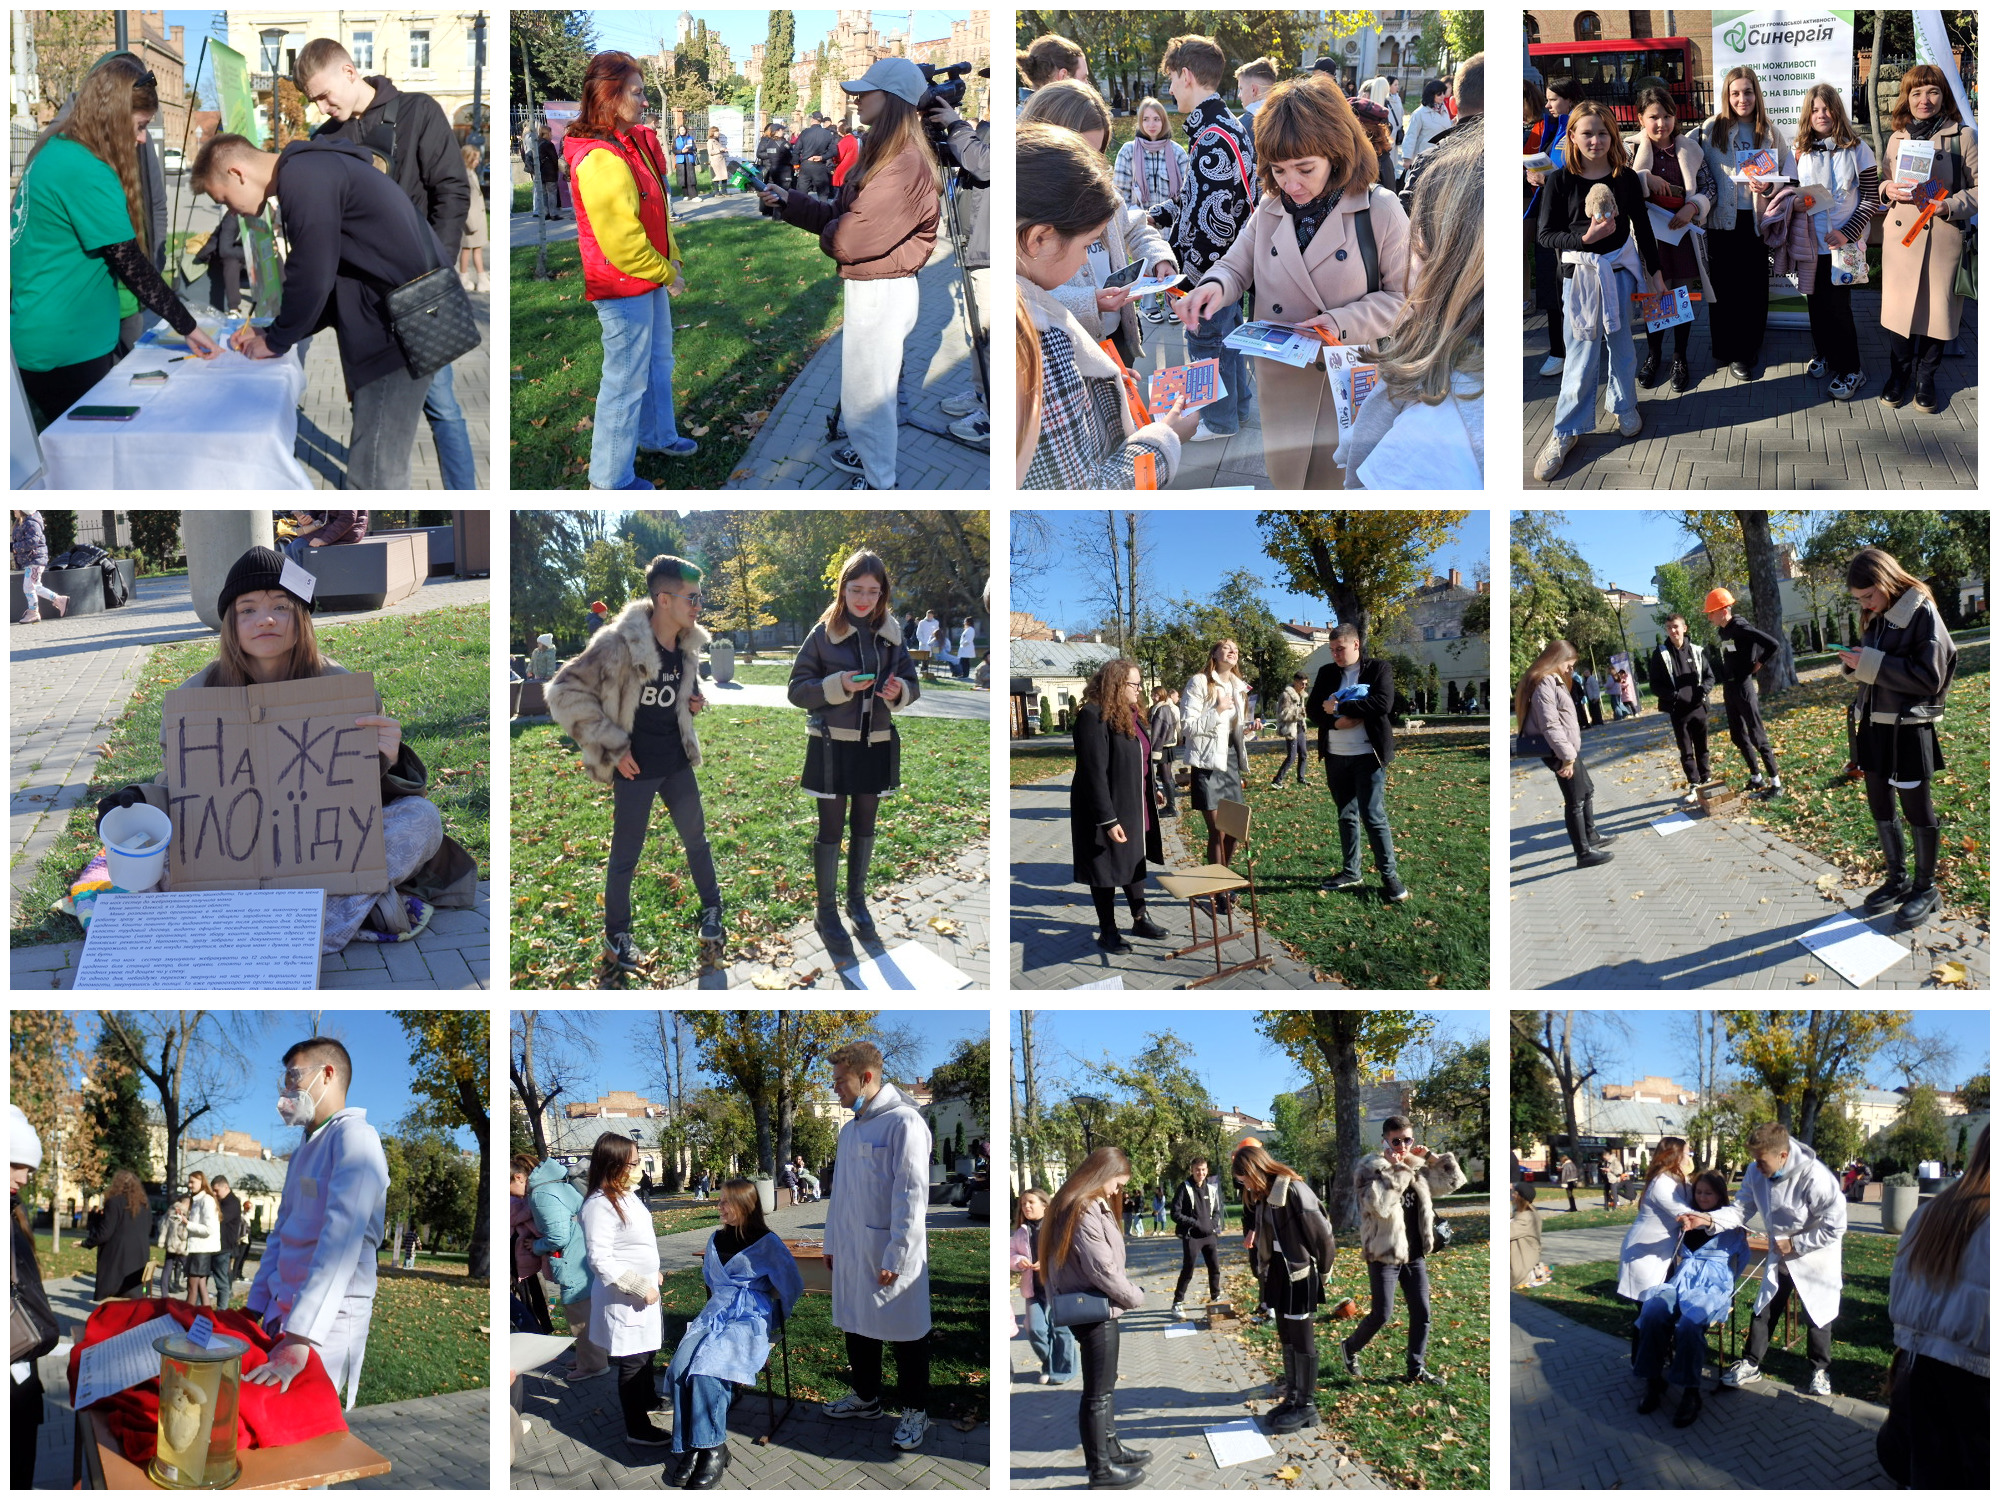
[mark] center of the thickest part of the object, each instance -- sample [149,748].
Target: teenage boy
[316,1282]
[1742,652]
[1357,744]
[1217,195]
[355,237]
[222,1266]
[1680,675]
[1253,81]
[410,136]
[1198,1217]
[814,152]
[1396,1186]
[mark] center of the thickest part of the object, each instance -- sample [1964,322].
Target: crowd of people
[1291,208]
[1591,253]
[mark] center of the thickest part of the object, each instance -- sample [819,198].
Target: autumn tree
[1450,1099]
[551,50]
[1164,1105]
[1706,1036]
[1760,556]
[1449,37]
[117,1109]
[967,1074]
[45,1078]
[739,588]
[1554,595]
[1569,1043]
[191,1058]
[1976,1093]
[1364,563]
[1805,1057]
[1178,637]
[775,1060]
[613,572]
[448,1078]
[1534,1113]
[548,1053]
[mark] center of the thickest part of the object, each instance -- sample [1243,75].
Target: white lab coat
[621,1323]
[1648,1252]
[875,1221]
[316,1278]
[927,634]
[1806,1208]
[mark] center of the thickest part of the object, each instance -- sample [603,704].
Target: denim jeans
[1054,1347]
[382,434]
[1356,782]
[701,1406]
[1576,407]
[1658,1326]
[635,395]
[220,1281]
[1225,415]
[1297,748]
[454,446]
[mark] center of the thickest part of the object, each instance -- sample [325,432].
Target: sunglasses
[1400,1140]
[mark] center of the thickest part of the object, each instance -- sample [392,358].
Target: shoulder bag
[1070,1309]
[431,317]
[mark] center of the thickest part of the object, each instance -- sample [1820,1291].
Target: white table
[228,423]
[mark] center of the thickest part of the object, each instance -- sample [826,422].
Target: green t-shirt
[65,300]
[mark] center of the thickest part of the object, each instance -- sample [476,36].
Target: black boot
[1303,1412]
[680,1466]
[859,851]
[1094,1420]
[1690,1407]
[1656,1390]
[1924,898]
[1927,398]
[1586,856]
[1120,1454]
[1896,389]
[826,885]
[1682,379]
[1649,367]
[708,1466]
[1894,890]
[1591,836]
[1287,1384]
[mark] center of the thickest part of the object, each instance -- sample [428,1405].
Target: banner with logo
[1791,51]
[1934,47]
[232,83]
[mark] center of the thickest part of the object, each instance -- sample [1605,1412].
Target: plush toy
[1600,202]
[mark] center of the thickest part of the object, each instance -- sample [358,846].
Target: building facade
[1430,629]
[421,52]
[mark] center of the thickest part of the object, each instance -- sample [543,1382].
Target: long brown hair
[1308,116]
[610,1159]
[1591,109]
[1900,117]
[233,667]
[1725,116]
[1442,328]
[1060,182]
[862,562]
[1021,1205]
[99,119]
[125,1185]
[1027,382]
[1671,1155]
[1873,568]
[1843,129]
[597,118]
[742,1192]
[1947,1224]
[202,1177]
[1557,656]
[1257,1169]
[1103,689]
[1087,1185]
[897,129]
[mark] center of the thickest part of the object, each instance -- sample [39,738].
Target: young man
[1357,744]
[410,136]
[1680,675]
[316,1282]
[1198,1219]
[222,1266]
[1398,1230]
[1742,652]
[1293,729]
[1217,195]
[1805,1216]
[881,1274]
[814,152]
[1253,81]
[355,237]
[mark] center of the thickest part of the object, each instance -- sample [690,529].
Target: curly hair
[1103,689]
[99,119]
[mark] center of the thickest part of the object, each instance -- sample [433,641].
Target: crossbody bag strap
[1364,232]
[1249,197]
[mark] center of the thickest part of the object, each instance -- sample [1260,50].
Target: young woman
[1921,305]
[1831,155]
[1739,262]
[1524,1236]
[1646,1255]
[625,1281]
[1424,424]
[718,161]
[1305,255]
[1546,117]
[1544,706]
[1113,807]
[753,1281]
[1605,262]
[31,556]
[850,675]
[1291,1253]
[631,271]
[521,1236]
[880,230]
[80,230]
[1215,708]
[1677,177]
[1903,673]
[472,249]
[629,702]
[1094,430]
[1054,1347]
[121,1239]
[1702,1277]
[1107,311]
[204,1238]
[1083,1252]
[1149,172]
[173,1241]
[1432,118]
[30,1305]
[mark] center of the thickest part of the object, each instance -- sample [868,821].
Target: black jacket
[815,140]
[1665,682]
[424,156]
[1198,1211]
[355,238]
[774,154]
[229,1213]
[1373,711]
[1470,125]
[122,1244]
[1907,663]
[1111,785]
[1744,649]
[1219,188]
[26,1280]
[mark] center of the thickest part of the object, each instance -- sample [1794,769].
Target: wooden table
[335,1458]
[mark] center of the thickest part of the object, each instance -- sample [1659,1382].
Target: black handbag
[431,318]
[1532,745]
[1069,1309]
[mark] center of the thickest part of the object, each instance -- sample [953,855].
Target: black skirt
[1289,1298]
[851,768]
[1899,752]
[1208,790]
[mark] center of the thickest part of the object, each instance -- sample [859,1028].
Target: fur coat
[1380,1184]
[595,696]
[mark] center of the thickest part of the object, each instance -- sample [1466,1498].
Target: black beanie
[259,568]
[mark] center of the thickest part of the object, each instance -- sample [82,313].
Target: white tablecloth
[223,424]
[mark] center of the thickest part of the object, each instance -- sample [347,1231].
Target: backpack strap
[1364,233]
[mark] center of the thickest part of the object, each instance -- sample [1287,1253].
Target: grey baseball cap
[892,75]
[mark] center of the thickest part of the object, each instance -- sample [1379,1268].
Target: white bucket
[135,845]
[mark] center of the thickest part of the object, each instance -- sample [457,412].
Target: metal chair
[770,1395]
[1211,881]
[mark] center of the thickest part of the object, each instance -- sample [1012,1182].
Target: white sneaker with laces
[1742,1373]
[1819,1385]
[1203,433]
[852,1405]
[911,1429]
[962,405]
[1816,367]
[1551,462]
[1844,388]
[1551,367]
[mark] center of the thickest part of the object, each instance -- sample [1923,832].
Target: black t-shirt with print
[656,730]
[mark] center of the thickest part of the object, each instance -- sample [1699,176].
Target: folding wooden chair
[1211,881]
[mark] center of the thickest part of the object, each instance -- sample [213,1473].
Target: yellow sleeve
[611,199]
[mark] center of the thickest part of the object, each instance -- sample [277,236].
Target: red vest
[640,150]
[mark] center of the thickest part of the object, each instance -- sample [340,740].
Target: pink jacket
[1795,249]
[522,1221]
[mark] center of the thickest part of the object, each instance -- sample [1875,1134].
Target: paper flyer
[1148,286]
[1662,310]
[1200,382]
[1351,376]
[1280,341]
[1915,161]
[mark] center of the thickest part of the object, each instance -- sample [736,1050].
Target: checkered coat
[1090,439]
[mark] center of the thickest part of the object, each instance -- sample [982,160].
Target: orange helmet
[1717,599]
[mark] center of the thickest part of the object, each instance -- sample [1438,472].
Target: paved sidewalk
[1575,1422]
[1718,905]
[1169,1390]
[1053,941]
[1235,462]
[1777,432]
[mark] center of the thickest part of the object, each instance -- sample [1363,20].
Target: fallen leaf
[943,925]
[1289,1474]
[1950,975]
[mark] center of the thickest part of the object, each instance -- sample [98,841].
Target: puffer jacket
[1552,714]
[1203,742]
[1380,1184]
[1290,1223]
[832,649]
[1907,663]
[521,1224]
[1096,1262]
[1946,1323]
[595,696]
[554,1203]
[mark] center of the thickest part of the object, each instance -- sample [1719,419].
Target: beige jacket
[1380,1183]
[1917,294]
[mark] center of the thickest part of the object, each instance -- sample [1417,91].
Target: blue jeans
[448,432]
[1054,1347]
[298,546]
[701,1406]
[1576,407]
[1689,1336]
[635,395]
[1356,782]
[1205,342]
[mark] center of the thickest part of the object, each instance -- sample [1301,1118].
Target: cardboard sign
[274,787]
[203,940]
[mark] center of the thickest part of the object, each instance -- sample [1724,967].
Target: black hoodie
[1373,711]
[428,164]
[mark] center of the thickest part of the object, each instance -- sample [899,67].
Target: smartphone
[862,679]
[1124,275]
[103,413]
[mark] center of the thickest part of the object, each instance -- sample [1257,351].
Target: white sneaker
[1629,424]
[852,1405]
[1551,462]
[1180,1313]
[963,405]
[1816,367]
[1691,798]
[1819,1385]
[1551,367]
[1742,1373]
[1203,433]
[911,1429]
[1844,388]
[973,429]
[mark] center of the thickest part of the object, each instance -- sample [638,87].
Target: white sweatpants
[877,319]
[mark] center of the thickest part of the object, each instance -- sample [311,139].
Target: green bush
[157,536]
[59,526]
[1899,1179]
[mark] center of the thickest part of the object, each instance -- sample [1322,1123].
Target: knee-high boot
[1591,836]
[859,852]
[1895,889]
[1094,1427]
[826,887]
[1305,1380]
[1924,898]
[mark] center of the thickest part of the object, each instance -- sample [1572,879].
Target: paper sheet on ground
[1115,982]
[530,1351]
[907,966]
[118,1364]
[1181,1330]
[1237,1443]
[1852,949]
[1672,824]
[203,940]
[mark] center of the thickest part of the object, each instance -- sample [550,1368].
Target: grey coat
[832,649]
[1552,713]
[1907,662]
[1723,215]
[1096,1262]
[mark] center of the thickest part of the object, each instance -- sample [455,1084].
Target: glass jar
[199,1393]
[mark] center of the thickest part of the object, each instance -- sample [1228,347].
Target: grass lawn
[681,1220]
[961,1385]
[428,1336]
[1808,727]
[761,299]
[776,671]
[1417,1437]
[432,672]
[1863,1340]
[760,826]
[524,193]
[1586,1218]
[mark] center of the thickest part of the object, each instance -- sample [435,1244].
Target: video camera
[944,85]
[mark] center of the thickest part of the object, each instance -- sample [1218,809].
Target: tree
[547,1052]
[1761,557]
[117,1111]
[814,1138]
[1450,1102]
[1976,1093]
[612,572]
[1568,1043]
[772,1058]
[741,586]
[552,48]
[1533,1111]
[1029,1142]
[45,1072]
[1364,564]
[1452,35]
[968,1076]
[1919,1132]
[190,1057]
[157,536]
[779,32]
[1163,1105]
[1805,1058]
[652,533]
[441,1189]
[1836,1137]
[1116,545]
[1707,1043]
[1554,596]
[1921,1057]
[448,1075]
[1176,642]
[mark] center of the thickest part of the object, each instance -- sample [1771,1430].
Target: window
[362,48]
[1639,24]
[270,52]
[1588,27]
[420,51]
[475,52]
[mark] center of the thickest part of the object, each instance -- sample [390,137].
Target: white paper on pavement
[530,1351]
[1673,824]
[1114,982]
[1852,949]
[907,966]
[203,940]
[1181,1330]
[120,1363]
[1237,1443]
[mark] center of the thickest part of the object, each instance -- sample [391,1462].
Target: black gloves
[131,796]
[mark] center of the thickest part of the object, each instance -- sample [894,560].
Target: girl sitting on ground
[1524,1239]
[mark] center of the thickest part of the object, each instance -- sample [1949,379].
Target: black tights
[1107,911]
[833,816]
[1916,800]
[1681,332]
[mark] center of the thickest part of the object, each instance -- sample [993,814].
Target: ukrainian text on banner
[1791,51]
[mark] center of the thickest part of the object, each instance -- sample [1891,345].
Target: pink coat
[522,1223]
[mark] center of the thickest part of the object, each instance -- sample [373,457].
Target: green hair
[666,569]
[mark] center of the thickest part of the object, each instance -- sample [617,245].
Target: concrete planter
[767,1193]
[1898,1203]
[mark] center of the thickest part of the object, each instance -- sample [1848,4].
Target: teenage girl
[1677,180]
[1739,262]
[1832,156]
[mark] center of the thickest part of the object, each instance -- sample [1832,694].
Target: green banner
[232,82]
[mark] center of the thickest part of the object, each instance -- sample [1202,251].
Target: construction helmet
[1717,599]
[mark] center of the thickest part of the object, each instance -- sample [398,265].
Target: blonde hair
[1591,109]
[899,128]
[1442,328]
[99,119]
[1139,120]
[1069,105]
[1557,656]
[1027,383]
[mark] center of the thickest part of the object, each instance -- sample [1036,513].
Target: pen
[177,359]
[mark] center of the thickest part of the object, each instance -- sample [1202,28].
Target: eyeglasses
[1399,1140]
[693,598]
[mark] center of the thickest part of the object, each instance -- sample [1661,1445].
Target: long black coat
[121,1251]
[1110,783]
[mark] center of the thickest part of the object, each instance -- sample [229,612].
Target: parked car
[171,160]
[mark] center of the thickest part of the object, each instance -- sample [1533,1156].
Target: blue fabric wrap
[730,1338]
[1706,1281]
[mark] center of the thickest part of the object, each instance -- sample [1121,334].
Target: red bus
[1612,72]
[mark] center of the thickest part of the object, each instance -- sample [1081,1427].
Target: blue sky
[1655,1042]
[1192,550]
[1623,547]
[640,30]
[1241,1069]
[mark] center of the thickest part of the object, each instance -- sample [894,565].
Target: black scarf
[1923,130]
[1307,217]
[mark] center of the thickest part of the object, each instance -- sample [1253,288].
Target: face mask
[294,1109]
